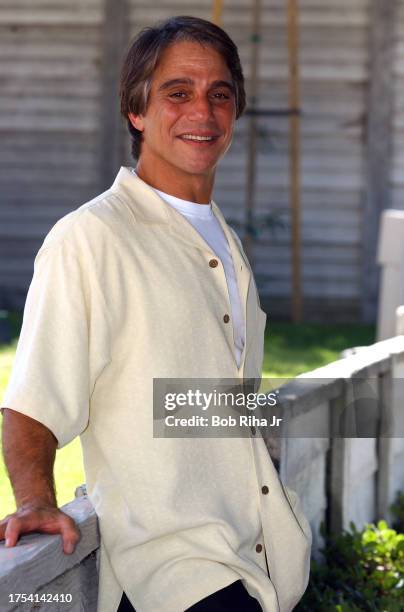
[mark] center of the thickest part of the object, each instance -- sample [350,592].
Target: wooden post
[385,483]
[252,130]
[400,321]
[294,158]
[217,10]
[114,42]
[335,482]
[378,154]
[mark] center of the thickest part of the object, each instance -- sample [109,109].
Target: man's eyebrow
[175,82]
[224,84]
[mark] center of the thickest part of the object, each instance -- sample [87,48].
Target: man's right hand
[42,518]
[29,452]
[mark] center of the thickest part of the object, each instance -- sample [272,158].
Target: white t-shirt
[204,221]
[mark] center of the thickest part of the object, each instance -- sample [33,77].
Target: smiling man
[148,281]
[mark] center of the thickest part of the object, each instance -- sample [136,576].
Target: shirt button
[253,430]
[226,318]
[213,263]
[258,548]
[265,490]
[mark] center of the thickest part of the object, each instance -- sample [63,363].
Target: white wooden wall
[51,123]
[344,478]
[397,120]
[333,75]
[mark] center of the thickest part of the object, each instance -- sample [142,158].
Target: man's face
[191,97]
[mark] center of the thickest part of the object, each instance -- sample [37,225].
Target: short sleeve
[63,345]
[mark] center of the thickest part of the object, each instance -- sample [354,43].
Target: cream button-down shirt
[201,217]
[123,293]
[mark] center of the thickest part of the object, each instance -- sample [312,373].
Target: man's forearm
[29,452]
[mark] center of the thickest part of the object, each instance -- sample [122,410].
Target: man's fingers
[12,531]
[52,521]
[3,525]
[17,525]
[70,534]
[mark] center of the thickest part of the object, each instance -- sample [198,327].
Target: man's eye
[221,95]
[178,94]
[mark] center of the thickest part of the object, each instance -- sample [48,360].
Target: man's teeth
[192,137]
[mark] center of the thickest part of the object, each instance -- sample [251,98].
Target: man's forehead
[185,58]
[176,81]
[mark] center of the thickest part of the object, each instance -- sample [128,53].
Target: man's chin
[196,166]
[198,170]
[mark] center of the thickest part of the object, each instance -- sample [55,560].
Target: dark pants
[233,598]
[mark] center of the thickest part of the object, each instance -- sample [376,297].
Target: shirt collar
[145,202]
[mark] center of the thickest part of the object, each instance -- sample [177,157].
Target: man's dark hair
[144,54]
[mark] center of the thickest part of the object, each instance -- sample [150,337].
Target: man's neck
[198,189]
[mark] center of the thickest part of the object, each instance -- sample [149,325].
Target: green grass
[289,350]
[293,349]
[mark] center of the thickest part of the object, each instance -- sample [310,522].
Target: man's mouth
[198,139]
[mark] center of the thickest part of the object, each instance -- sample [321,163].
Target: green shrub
[397,509]
[362,571]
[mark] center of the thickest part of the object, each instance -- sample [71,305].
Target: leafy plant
[362,571]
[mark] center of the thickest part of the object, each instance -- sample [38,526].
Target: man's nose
[201,108]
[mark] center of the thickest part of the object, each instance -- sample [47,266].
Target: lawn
[289,351]
[293,349]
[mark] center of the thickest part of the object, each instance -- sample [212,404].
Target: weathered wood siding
[49,125]
[333,43]
[397,119]
[55,137]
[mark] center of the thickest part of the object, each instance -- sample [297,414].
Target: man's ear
[136,121]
